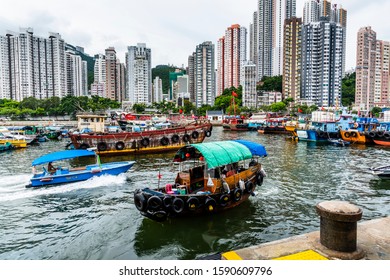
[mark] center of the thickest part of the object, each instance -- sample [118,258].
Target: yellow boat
[15,142]
[355,136]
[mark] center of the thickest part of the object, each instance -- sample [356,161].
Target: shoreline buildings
[372,71]
[139,74]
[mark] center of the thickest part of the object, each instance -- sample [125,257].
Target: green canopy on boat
[222,152]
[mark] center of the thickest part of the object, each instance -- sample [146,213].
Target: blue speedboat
[55,174]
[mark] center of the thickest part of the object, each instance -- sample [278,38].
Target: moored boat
[221,176]
[6,147]
[359,131]
[142,142]
[60,175]
[382,171]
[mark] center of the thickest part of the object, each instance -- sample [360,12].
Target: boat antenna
[159,176]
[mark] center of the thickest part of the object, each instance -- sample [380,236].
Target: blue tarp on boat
[68,154]
[255,148]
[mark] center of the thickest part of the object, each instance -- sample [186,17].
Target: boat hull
[382,142]
[146,142]
[158,205]
[63,176]
[355,136]
[311,136]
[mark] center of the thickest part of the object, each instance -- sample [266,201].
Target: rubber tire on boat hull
[164,141]
[224,200]
[145,142]
[186,138]
[193,204]
[347,134]
[194,134]
[210,205]
[119,145]
[154,203]
[102,146]
[175,138]
[177,205]
[237,194]
[140,202]
[208,133]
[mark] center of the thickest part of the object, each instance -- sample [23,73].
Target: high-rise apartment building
[253,39]
[139,74]
[291,85]
[249,92]
[372,71]
[204,74]
[322,57]
[120,80]
[112,92]
[98,87]
[231,57]
[75,84]
[32,66]
[270,23]
[157,90]
[191,77]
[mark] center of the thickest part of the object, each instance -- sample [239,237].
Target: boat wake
[14,187]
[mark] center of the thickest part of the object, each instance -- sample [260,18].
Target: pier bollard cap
[341,211]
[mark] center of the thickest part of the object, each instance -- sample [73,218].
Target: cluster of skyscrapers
[308,52]
[32,66]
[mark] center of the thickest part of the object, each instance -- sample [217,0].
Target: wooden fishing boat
[221,176]
[143,142]
[60,175]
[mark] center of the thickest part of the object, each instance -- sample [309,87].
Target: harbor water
[97,219]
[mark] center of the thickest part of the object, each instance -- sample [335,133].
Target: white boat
[382,171]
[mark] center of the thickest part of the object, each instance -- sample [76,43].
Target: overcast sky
[171,28]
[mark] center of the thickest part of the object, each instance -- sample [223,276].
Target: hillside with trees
[162,71]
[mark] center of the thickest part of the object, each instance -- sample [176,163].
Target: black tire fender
[237,194]
[145,142]
[140,202]
[177,205]
[208,133]
[119,145]
[186,138]
[175,138]
[154,203]
[102,146]
[193,204]
[194,134]
[249,187]
[210,204]
[224,200]
[167,201]
[164,141]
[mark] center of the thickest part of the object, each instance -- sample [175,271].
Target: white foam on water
[14,187]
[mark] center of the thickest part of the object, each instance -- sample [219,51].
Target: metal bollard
[338,229]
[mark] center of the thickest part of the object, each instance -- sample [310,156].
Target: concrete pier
[373,243]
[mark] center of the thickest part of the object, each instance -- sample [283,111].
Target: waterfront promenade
[373,243]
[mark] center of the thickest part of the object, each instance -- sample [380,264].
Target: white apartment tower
[139,74]
[204,74]
[74,74]
[322,62]
[157,90]
[98,87]
[270,16]
[372,71]
[32,66]
[249,92]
